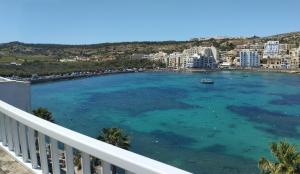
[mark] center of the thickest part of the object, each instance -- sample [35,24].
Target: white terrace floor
[9,165]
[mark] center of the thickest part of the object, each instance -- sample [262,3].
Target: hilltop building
[249,58]
[140,56]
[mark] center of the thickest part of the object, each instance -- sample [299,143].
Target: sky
[98,21]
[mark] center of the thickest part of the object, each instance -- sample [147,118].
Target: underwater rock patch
[141,100]
[276,123]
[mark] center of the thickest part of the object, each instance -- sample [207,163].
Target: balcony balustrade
[46,148]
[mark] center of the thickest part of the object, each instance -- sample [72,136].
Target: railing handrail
[114,155]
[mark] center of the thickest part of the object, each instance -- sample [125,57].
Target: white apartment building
[249,58]
[277,55]
[158,56]
[215,54]
[195,57]
[200,57]
[192,62]
[271,49]
[191,51]
[256,46]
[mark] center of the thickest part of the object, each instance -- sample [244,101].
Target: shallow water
[173,118]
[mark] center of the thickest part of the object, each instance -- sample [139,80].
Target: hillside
[16,51]
[292,37]
[45,57]
[20,52]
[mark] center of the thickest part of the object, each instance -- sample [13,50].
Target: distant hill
[291,38]
[43,59]
[20,52]
[283,35]
[103,51]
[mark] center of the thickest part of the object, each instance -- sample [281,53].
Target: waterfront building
[229,56]
[259,47]
[225,65]
[272,63]
[295,58]
[160,56]
[209,56]
[276,55]
[191,51]
[194,57]
[200,57]
[284,48]
[249,58]
[285,62]
[236,61]
[271,49]
[199,61]
[215,54]
[175,60]
[192,62]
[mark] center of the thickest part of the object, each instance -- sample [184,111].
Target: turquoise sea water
[172,117]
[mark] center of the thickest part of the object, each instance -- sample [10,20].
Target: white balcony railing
[35,141]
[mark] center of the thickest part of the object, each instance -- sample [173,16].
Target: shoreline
[54,78]
[291,71]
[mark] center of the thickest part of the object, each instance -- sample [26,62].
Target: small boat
[207,81]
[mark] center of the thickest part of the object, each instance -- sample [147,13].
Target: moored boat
[207,81]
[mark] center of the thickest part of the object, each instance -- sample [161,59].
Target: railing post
[85,163]
[128,172]
[23,140]
[32,148]
[106,167]
[0,127]
[43,154]
[16,140]
[69,159]
[3,130]
[8,126]
[54,156]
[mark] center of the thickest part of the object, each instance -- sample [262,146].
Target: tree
[43,113]
[287,160]
[116,137]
